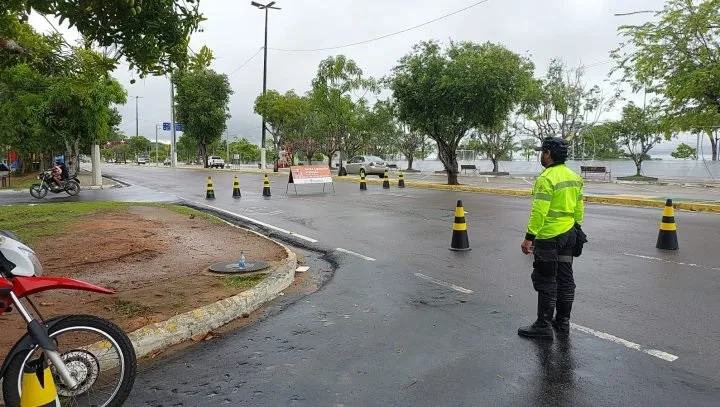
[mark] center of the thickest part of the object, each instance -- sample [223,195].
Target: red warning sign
[310,174]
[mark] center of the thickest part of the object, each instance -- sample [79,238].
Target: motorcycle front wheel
[98,354]
[37,191]
[72,188]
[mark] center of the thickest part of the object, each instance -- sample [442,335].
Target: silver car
[366,164]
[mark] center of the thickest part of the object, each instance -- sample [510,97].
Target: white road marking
[640,256]
[526,181]
[444,283]
[632,345]
[302,269]
[299,236]
[340,249]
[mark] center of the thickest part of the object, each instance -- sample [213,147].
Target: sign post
[309,174]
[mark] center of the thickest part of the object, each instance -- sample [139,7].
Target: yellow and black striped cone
[38,387]
[386,181]
[401,180]
[266,187]
[210,192]
[460,241]
[667,238]
[236,188]
[363,184]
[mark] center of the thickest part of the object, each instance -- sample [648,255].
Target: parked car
[366,164]
[166,162]
[142,160]
[216,162]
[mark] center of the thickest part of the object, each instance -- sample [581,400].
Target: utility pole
[265,7]
[137,120]
[173,151]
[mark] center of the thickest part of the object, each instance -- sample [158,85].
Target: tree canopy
[445,93]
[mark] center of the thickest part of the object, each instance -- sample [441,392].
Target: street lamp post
[265,7]
[137,120]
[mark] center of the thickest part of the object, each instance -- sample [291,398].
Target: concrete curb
[182,327]
[611,200]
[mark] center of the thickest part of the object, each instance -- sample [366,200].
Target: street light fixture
[265,7]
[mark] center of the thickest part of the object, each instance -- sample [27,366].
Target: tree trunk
[330,161]
[448,157]
[638,166]
[495,164]
[203,155]
[714,144]
[410,162]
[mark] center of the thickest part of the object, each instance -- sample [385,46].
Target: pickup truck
[216,162]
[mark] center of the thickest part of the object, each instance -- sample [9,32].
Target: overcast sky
[578,31]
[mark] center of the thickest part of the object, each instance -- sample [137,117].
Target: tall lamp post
[157,127]
[265,7]
[137,120]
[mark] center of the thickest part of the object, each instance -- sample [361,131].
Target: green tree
[247,151]
[495,143]
[684,152]
[78,105]
[639,131]
[601,142]
[445,94]
[336,81]
[676,57]
[139,145]
[152,35]
[527,146]
[562,105]
[281,113]
[187,147]
[202,106]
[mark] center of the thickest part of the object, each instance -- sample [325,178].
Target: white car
[216,162]
[366,164]
[142,160]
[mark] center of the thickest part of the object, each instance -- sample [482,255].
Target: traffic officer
[553,228]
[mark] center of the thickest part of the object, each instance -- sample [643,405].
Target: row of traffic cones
[210,191]
[386,181]
[667,237]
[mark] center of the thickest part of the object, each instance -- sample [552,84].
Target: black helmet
[557,147]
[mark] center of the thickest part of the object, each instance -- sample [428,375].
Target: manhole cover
[231,267]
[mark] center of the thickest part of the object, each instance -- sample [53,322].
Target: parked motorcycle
[89,360]
[47,184]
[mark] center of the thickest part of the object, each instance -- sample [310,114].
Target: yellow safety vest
[557,203]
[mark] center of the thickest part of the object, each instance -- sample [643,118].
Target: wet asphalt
[421,325]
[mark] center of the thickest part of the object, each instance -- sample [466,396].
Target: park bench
[596,170]
[466,167]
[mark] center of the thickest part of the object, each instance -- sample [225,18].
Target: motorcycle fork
[38,332]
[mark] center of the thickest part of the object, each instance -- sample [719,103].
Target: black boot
[561,323]
[541,329]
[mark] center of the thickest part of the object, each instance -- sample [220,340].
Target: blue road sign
[178,126]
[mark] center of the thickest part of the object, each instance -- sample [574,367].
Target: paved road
[396,331]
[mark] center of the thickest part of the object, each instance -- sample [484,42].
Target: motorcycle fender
[26,343]
[24,286]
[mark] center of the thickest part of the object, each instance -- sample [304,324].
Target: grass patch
[243,281]
[130,309]
[184,210]
[32,223]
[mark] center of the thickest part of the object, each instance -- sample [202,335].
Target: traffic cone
[363,184]
[667,238]
[210,193]
[386,181]
[460,240]
[38,387]
[401,180]
[236,188]
[266,187]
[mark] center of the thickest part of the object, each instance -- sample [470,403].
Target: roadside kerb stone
[183,327]
[611,200]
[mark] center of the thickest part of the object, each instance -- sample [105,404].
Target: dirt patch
[151,256]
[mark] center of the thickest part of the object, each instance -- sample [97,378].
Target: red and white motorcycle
[75,360]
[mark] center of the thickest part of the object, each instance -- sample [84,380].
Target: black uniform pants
[552,274]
